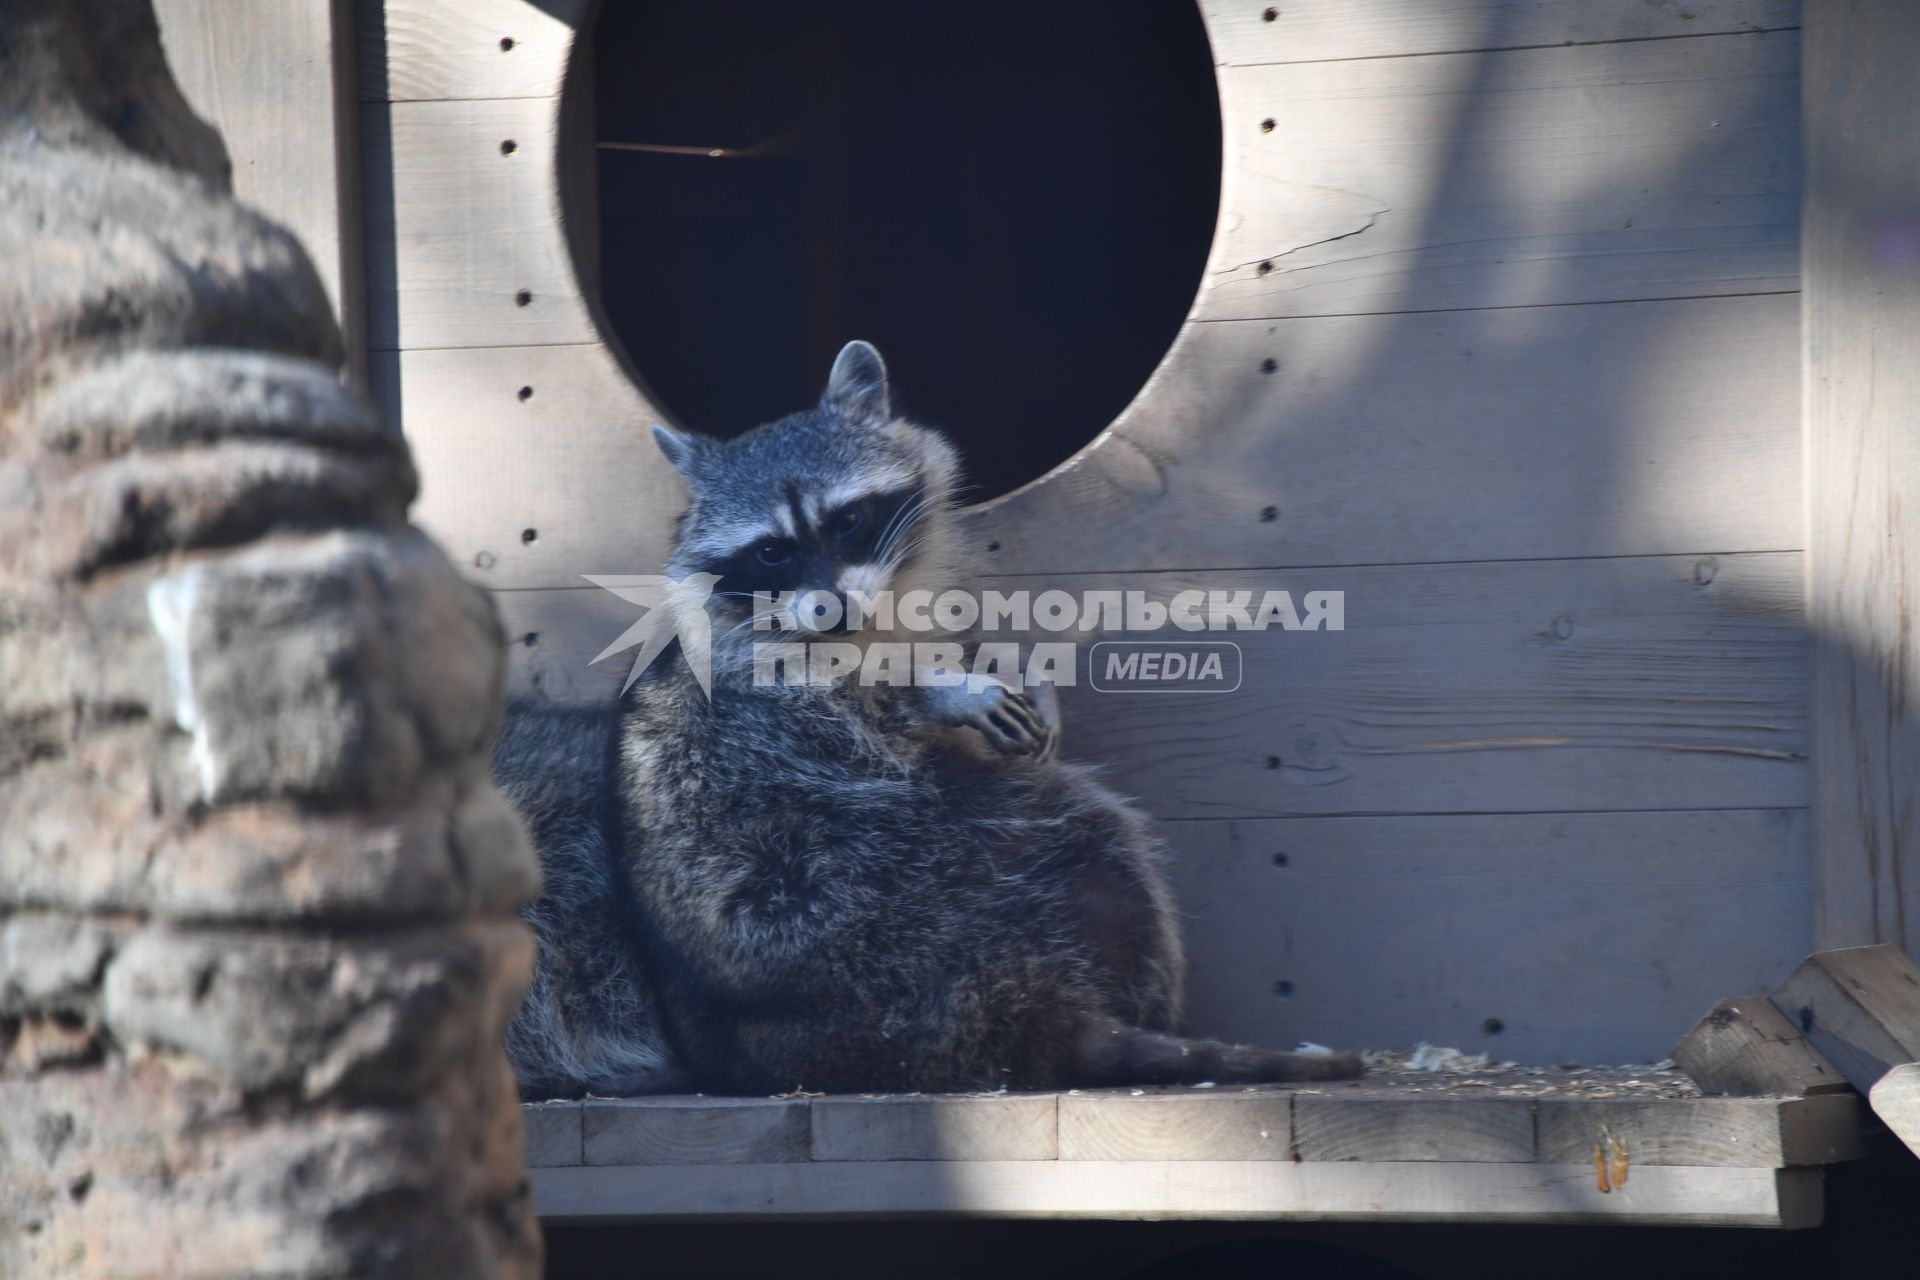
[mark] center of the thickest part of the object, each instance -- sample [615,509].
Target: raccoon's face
[834,500]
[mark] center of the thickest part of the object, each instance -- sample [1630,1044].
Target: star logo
[675,608]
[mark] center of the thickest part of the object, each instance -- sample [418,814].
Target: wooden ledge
[1484,1148]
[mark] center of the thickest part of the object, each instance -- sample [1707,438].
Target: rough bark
[257,944]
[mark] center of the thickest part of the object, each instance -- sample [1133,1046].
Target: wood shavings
[1443,1069]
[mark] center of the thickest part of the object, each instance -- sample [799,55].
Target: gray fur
[839,888]
[588,1022]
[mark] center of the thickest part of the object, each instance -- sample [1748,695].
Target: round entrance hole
[1015,203]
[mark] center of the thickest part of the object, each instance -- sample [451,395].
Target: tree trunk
[257,941]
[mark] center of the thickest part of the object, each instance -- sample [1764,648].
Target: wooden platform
[1487,1147]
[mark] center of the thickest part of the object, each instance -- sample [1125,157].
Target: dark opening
[1013,201]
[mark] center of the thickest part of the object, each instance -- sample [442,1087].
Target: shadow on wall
[1564,471]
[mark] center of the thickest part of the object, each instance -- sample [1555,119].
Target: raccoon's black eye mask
[874,528]
[878,525]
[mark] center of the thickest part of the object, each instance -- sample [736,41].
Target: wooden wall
[1863,464]
[277,80]
[1500,337]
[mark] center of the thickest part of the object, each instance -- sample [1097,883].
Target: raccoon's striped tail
[1113,1053]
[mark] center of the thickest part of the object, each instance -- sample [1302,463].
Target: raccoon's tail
[1113,1053]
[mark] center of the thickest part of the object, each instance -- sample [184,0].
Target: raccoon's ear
[681,448]
[858,384]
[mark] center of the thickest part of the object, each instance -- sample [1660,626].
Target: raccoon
[759,887]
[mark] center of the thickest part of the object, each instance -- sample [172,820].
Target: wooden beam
[1369,1127]
[1108,1189]
[1489,1147]
[277,80]
[1859,1006]
[696,1131]
[1110,1125]
[949,1128]
[1861,265]
[553,1134]
[1482,1118]
[1896,1100]
[1745,1046]
[1703,1131]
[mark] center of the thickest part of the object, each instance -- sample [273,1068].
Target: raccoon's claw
[1013,726]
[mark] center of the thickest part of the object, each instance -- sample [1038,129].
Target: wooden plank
[1412,1191]
[1594,684]
[458,231]
[1859,1006]
[553,1134]
[696,1131]
[1176,1126]
[1824,1130]
[439,49]
[1896,1100]
[1607,430]
[1745,1046]
[1563,927]
[1319,30]
[277,81]
[433,49]
[1483,435]
[955,1127]
[1731,1132]
[1658,169]
[1472,702]
[572,462]
[1664,694]
[1372,1127]
[1863,465]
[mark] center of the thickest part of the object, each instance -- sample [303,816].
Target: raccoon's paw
[1006,718]
[1013,725]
